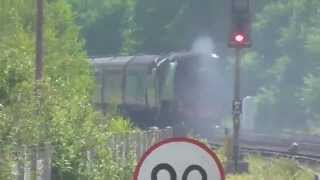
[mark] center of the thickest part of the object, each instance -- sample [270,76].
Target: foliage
[103,24]
[285,44]
[6,164]
[276,169]
[63,114]
[168,25]
[146,26]
[118,124]
[310,96]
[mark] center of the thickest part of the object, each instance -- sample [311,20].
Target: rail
[268,146]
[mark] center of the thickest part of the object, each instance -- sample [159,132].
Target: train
[184,90]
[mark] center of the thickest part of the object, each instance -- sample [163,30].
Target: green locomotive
[183,90]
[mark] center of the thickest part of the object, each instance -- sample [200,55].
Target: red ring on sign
[182,139]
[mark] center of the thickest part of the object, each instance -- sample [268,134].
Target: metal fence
[28,163]
[36,162]
[139,142]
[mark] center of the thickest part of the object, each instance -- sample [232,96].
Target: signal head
[240,30]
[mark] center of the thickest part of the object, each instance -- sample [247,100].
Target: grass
[118,124]
[261,168]
[272,169]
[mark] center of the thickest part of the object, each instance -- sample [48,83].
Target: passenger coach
[184,90]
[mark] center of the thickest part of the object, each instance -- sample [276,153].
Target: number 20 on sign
[179,159]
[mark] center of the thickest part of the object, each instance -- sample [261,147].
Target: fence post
[169,132]
[1,160]
[21,157]
[140,144]
[44,162]
[137,146]
[33,167]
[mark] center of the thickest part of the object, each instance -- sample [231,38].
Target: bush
[62,114]
[275,169]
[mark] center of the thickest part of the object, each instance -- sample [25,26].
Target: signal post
[239,38]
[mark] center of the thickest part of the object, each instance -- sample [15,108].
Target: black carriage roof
[180,56]
[146,60]
[122,60]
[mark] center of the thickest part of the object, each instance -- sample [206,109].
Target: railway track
[305,151]
[296,144]
[275,152]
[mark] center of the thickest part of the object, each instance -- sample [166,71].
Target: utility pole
[38,74]
[39,45]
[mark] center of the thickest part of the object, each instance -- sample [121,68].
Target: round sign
[179,159]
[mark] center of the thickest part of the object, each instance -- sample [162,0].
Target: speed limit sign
[179,159]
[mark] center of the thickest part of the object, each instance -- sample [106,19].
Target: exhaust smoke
[212,96]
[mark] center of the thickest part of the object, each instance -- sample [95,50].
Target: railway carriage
[184,90]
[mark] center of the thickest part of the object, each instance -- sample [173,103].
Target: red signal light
[239,38]
[240,26]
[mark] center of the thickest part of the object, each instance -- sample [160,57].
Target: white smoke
[213,91]
[203,44]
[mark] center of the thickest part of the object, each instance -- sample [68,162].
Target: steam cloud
[203,44]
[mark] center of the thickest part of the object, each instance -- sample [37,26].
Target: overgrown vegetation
[262,168]
[286,64]
[275,169]
[64,116]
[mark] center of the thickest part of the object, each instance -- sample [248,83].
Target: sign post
[237,165]
[179,159]
[236,110]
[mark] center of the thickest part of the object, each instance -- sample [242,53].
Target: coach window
[168,85]
[152,88]
[131,86]
[112,89]
[135,87]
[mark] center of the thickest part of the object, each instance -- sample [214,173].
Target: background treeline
[281,69]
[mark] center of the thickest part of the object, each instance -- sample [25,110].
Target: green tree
[164,26]
[66,117]
[103,23]
[285,43]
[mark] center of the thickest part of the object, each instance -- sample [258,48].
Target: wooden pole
[39,42]
[38,73]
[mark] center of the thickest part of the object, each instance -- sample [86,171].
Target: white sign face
[179,159]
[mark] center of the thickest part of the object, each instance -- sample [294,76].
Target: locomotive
[183,90]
